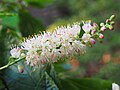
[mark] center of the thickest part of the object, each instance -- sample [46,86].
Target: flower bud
[92,41]
[112,23]
[110,27]
[108,20]
[93,31]
[20,68]
[101,36]
[101,24]
[94,25]
[103,28]
[112,17]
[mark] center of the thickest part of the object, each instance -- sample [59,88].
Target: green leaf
[7,37]
[30,79]
[53,74]
[11,22]
[85,84]
[48,83]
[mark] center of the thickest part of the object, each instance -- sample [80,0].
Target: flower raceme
[49,47]
[65,41]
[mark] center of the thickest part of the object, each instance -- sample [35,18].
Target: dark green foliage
[85,84]
[39,3]
[3,85]
[29,25]
[8,37]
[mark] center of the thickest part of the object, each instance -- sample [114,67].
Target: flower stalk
[11,63]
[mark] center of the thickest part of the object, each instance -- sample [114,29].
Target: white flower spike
[65,41]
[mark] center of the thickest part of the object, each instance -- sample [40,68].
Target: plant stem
[11,63]
[1,68]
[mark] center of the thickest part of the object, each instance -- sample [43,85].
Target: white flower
[74,30]
[87,27]
[15,52]
[86,37]
[32,58]
[115,86]
[78,47]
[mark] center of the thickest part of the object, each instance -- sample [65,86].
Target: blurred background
[23,18]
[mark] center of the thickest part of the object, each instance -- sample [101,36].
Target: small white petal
[86,37]
[87,27]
